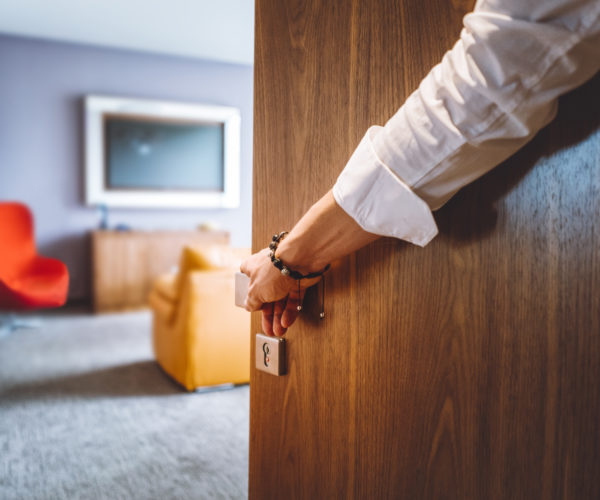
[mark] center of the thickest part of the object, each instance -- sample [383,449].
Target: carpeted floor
[85,413]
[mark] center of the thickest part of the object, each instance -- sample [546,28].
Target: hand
[277,295]
[325,233]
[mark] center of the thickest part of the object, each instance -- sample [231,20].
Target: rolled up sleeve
[490,94]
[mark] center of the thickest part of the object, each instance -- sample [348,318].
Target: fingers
[278,316]
[252,303]
[271,318]
[278,309]
[267,319]
[291,309]
[278,296]
[266,282]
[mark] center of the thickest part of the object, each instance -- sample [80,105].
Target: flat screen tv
[159,154]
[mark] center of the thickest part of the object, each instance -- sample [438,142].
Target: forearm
[325,233]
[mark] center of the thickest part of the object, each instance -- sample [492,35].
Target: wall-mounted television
[161,154]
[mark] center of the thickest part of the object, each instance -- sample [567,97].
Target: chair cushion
[205,258]
[44,283]
[192,259]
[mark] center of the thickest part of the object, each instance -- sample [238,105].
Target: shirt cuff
[379,201]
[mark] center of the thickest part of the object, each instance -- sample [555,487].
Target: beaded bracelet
[286,271]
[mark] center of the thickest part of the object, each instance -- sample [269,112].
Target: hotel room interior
[109,90]
[148,146]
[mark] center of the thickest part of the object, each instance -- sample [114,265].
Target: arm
[489,96]
[496,88]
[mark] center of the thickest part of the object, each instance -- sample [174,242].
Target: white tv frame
[96,191]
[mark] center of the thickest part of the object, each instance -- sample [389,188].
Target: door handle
[242,282]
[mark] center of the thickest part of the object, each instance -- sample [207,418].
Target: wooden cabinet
[124,263]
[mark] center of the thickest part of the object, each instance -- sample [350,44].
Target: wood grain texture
[125,263]
[466,370]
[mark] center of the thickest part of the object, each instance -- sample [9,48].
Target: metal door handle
[242,282]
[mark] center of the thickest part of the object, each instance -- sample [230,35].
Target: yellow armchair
[200,337]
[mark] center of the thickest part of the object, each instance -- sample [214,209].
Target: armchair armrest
[200,337]
[218,332]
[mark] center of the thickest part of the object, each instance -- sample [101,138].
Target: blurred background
[53,54]
[124,364]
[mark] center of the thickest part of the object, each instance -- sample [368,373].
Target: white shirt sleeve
[496,88]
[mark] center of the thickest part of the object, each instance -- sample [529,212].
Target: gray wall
[41,156]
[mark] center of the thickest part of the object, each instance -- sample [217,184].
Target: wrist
[299,257]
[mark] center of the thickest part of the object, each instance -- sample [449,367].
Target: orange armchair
[27,280]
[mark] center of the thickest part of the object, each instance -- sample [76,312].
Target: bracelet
[285,270]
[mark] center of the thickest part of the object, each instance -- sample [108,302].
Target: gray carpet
[85,413]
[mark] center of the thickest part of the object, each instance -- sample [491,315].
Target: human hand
[277,295]
[325,233]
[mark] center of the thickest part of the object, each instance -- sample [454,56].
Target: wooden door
[469,369]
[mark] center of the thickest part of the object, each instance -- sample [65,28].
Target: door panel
[467,369]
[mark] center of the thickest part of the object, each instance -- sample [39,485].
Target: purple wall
[41,155]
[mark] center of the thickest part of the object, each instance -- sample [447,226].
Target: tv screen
[163,155]
[155,154]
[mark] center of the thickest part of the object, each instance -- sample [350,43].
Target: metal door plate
[270,354]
